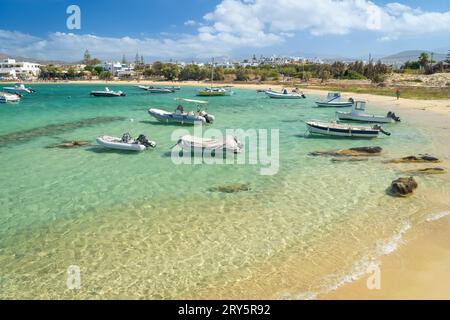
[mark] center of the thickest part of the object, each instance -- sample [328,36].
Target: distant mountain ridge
[411,55]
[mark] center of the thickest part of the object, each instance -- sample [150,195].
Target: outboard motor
[208,118]
[126,138]
[351,100]
[393,116]
[378,127]
[142,139]
[303,96]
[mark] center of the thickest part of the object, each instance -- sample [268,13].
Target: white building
[12,70]
[118,69]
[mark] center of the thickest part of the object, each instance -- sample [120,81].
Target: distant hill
[19,58]
[411,55]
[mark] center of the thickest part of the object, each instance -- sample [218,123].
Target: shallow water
[139,226]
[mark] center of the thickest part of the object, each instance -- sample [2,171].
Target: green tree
[105,75]
[424,59]
[86,57]
[157,68]
[242,75]
[170,71]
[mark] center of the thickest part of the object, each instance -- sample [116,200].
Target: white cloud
[235,24]
[190,23]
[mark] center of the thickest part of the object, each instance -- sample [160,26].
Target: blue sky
[197,29]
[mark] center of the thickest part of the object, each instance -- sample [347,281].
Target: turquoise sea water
[139,226]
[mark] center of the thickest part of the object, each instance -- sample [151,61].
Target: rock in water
[352,152]
[69,144]
[232,188]
[403,187]
[416,159]
[428,171]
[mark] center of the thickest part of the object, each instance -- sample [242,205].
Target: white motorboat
[18,88]
[107,93]
[126,143]
[172,88]
[227,144]
[334,100]
[152,89]
[143,87]
[179,116]
[284,94]
[9,97]
[344,130]
[358,114]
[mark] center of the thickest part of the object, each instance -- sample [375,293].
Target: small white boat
[284,94]
[18,88]
[334,100]
[344,130]
[9,97]
[172,88]
[152,89]
[179,116]
[107,93]
[227,144]
[126,143]
[358,114]
[143,87]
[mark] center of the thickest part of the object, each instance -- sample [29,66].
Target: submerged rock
[402,187]
[70,144]
[416,159]
[428,171]
[349,159]
[232,188]
[352,152]
[25,136]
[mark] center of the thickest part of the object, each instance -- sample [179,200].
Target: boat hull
[315,128]
[104,94]
[333,104]
[276,95]
[115,143]
[367,118]
[170,117]
[210,94]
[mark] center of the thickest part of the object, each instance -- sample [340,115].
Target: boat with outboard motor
[358,114]
[227,144]
[179,116]
[126,142]
[19,88]
[334,99]
[344,130]
[9,97]
[284,94]
[107,93]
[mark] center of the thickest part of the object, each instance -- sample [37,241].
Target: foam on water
[437,216]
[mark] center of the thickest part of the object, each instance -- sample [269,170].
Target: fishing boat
[284,94]
[107,93]
[18,88]
[344,130]
[9,97]
[126,142]
[358,114]
[212,91]
[227,144]
[179,116]
[334,99]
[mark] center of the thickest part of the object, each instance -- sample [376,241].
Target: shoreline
[441,106]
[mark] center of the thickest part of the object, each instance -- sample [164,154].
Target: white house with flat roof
[11,69]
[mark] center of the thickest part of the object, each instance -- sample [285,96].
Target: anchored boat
[334,99]
[9,97]
[179,116]
[19,88]
[358,114]
[284,94]
[227,144]
[107,93]
[126,142]
[344,130]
